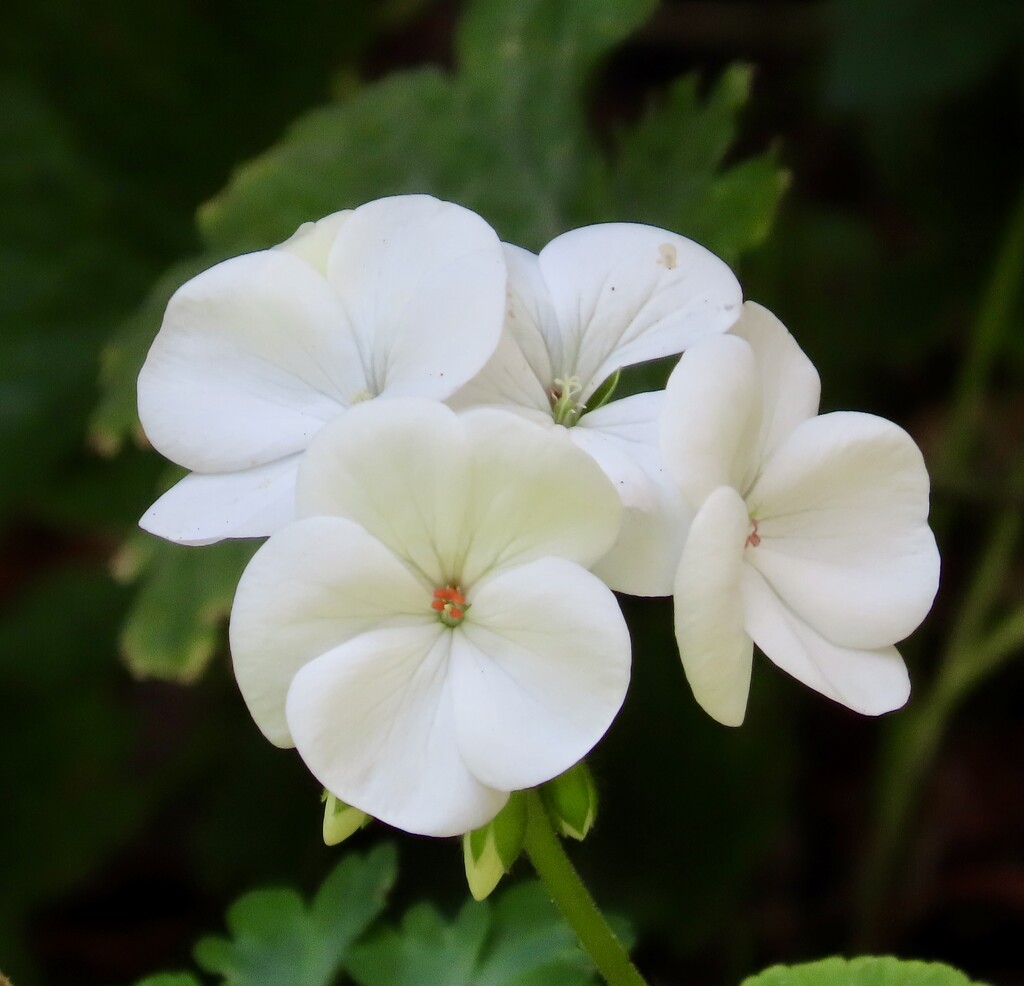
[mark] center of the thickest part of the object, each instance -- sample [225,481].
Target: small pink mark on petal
[753,538]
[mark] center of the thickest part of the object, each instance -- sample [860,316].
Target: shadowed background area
[858,163]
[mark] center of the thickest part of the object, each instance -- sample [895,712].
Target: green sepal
[571,801]
[605,392]
[489,851]
[340,819]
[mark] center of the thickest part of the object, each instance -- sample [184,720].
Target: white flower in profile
[400,297]
[427,634]
[595,300]
[811,534]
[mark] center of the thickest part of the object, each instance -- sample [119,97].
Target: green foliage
[518,941]
[278,941]
[863,971]
[174,626]
[169,979]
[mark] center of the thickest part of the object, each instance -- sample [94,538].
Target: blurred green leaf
[278,941]
[174,626]
[666,171]
[864,971]
[518,941]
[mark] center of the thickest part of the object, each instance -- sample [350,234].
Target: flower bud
[340,820]
[571,801]
[490,850]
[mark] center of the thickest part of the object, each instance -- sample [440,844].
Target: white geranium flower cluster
[407,408]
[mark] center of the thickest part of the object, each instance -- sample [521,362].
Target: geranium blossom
[810,536]
[401,297]
[427,634]
[593,301]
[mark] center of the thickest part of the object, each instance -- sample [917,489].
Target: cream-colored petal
[375,721]
[712,418]
[204,508]
[540,668]
[868,680]
[314,585]
[253,357]
[790,386]
[424,284]
[715,649]
[624,293]
[842,511]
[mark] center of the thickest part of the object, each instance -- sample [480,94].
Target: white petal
[312,242]
[374,721]
[424,284]
[622,437]
[869,681]
[459,496]
[312,586]
[842,512]
[790,385]
[715,649]
[540,667]
[712,418]
[401,470]
[626,293]
[204,508]
[534,493]
[253,356]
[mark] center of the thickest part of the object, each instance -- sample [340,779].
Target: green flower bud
[490,850]
[340,820]
[571,801]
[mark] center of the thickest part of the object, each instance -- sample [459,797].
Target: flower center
[753,538]
[450,605]
[566,408]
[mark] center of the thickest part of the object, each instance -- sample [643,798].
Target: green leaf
[864,971]
[276,939]
[666,170]
[174,626]
[519,941]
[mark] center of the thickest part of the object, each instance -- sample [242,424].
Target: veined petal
[204,508]
[842,510]
[622,437]
[869,681]
[625,293]
[424,284]
[508,380]
[375,721]
[253,356]
[400,469]
[712,418]
[539,669]
[312,241]
[312,586]
[715,649]
[533,494]
[790,386]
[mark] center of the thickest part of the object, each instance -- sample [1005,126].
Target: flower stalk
[572,898]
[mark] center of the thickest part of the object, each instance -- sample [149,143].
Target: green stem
[573,899]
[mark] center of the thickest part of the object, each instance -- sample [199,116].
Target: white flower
[427,634]
[401,297]
[811,535]
[597,299]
